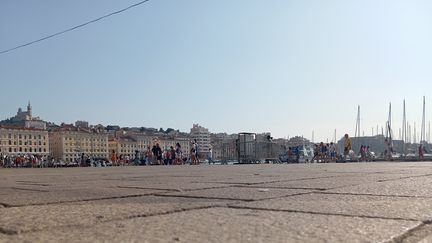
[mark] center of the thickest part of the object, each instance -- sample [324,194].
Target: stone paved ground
[358,202]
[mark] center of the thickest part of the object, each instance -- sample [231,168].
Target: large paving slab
[171,186]
[240,193]
[230,225]
[156,184]
[48,217]
[411,187]
[330,182]
[370,167]
[71,195]
[7,191]
[259,178]
[354,205]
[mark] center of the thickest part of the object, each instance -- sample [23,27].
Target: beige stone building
[68,143]
[202,136]
[166,143]
[124,146]
[127,145]
[23,141]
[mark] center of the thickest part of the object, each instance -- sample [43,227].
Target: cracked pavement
[355,202]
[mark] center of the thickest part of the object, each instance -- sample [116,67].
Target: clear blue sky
[288,67]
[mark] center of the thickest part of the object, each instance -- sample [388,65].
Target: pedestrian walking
[193,153]
[421,152]
[210,156]
[347,145]
[179,154]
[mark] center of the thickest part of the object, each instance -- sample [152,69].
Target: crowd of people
[364,154]
[170,156]
[152,156]
[325,153]
[18,161]
[329,152]
[156,156]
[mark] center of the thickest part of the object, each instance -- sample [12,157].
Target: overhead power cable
[73,28]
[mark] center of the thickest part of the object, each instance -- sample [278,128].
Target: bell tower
[29,110]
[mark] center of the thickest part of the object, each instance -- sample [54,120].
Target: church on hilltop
[24,115]
[25,119]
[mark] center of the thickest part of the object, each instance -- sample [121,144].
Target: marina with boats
[411,145]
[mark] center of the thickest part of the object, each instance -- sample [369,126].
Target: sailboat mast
[423,128]
[389,122]
[429,133]
[404,128]
[357,129]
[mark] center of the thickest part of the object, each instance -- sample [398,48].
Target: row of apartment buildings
[68,143]
[14,141]
[30,135]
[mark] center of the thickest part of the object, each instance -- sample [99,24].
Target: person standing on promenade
[333,153]
[421,152]
[114,158]
[158,154]
[210,156]
[148,156]
[368,154]
[173,156]
[361,153]
[193,153]
[179,155]
[197,152]
[347,145]
[290,155]
[389,151]
[323,152]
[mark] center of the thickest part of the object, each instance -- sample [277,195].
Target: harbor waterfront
[29,141]
[351,202]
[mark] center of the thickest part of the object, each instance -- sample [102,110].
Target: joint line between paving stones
[285,196]
[280,197]
[216,187]
[28,189]
[299,179]
[256,185]
[320,213]
[224,187]
[7,232]
[366,194]
[286,187]
[405,177]
[169,212]
[33,183]
[265,182]
[199,197]
[302,188]
[416,233]
[147,188]
[234,199]
[178,190]
[78,201]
